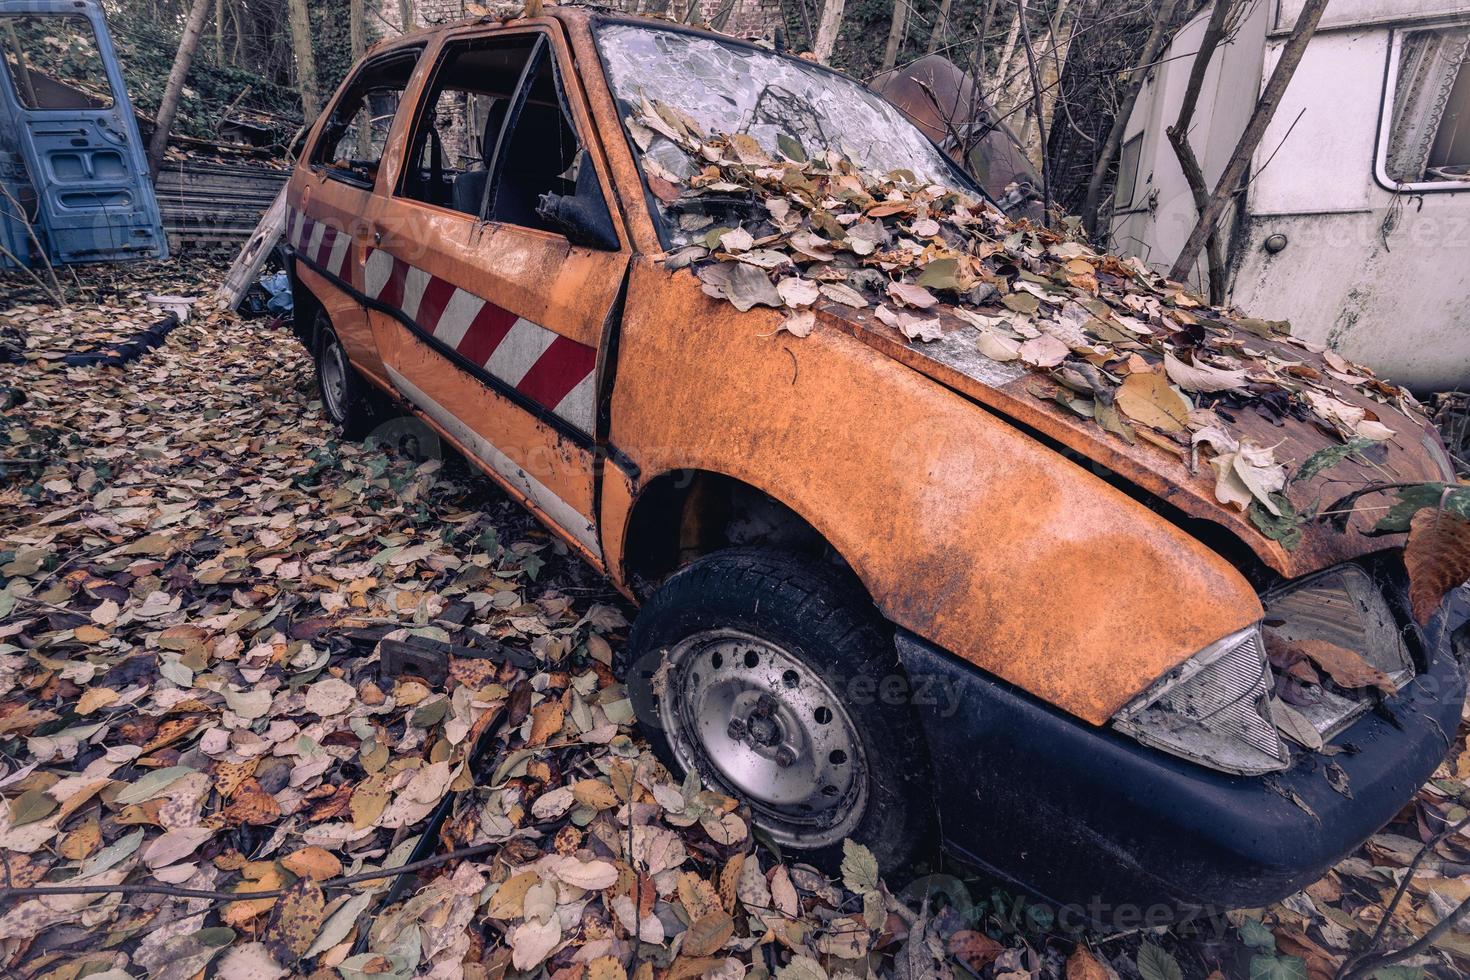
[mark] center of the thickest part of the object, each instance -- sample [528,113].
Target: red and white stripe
[554,372]
[549,369]
[321,243]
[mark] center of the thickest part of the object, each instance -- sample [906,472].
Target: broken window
[53,62]
[455,135]
[350,147]
[1429,139]
[496,141]
[787,105]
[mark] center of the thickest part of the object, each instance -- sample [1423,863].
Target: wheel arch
[682,515]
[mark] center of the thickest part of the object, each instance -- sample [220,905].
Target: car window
[351,144]
[1429,137]
[494,139]
[539,155]
[788,106]
[53,61]
[459,122]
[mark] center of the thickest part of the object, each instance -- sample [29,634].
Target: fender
[964,530]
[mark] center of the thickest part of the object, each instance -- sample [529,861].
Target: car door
[327,225]
[71,124]
[489,315]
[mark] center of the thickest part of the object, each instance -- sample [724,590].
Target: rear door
[75,131]
[489,309]
[327,222]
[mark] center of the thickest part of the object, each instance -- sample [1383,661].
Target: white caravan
[1355,224]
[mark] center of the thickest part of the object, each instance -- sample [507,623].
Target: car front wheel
[762,672]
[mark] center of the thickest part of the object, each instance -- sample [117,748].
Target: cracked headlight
[1214,709]
[1344,607]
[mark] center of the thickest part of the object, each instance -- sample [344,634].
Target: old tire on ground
[775,664]
[346,397]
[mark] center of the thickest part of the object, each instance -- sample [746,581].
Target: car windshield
[733,88]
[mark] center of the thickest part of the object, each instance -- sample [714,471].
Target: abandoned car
[892,588]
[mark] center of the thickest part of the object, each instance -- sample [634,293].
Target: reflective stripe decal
[552,371]
[557,510]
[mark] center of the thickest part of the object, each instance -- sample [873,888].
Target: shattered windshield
[785,105]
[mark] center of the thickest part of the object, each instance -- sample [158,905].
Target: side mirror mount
[583,216]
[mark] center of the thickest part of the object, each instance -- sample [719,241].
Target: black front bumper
[1118,833]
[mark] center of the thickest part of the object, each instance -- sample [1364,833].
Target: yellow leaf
[1148,400]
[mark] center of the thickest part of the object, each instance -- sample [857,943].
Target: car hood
[1181,479]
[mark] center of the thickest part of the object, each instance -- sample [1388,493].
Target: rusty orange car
[886,593]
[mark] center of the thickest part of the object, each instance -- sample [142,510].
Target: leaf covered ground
[206,594]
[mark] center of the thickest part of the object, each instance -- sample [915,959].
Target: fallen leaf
[1148,400]
[1345,666]
[1437,557]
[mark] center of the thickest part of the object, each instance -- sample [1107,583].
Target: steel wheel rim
[758,723]
[334,380]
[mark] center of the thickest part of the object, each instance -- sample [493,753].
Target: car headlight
[1213,709]
[1341,606]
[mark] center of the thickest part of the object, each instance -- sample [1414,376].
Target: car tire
[346,398]
[762,671]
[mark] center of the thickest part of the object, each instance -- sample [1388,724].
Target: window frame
[416,52]
[1385,117]
[13,83]
[1121,206]
[542,43]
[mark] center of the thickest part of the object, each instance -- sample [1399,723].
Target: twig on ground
[42,891]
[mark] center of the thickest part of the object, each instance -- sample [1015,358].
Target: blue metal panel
[87,175]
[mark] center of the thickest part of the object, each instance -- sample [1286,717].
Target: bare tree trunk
[895,33]
[311,104]
[1235,170]
[941,24]
[405,15]
[168,106]
[1194,174]
[986,23]
[827,29]
[219,31]
[1104,162]
[357,33]
[1036,109]
[1002,68]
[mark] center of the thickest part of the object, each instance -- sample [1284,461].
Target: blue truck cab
[72,169]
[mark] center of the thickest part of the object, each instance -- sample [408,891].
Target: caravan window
[1429,136]
[53,61]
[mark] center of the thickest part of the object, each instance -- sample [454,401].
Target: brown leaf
[1082,965]
[708,933]
[229,775]
[83,841]
[252,805]
[974,949]
[546,721]
[1148,400]
[1437,557]
[312,862]
[299,916]
[369,798]
[1344,666]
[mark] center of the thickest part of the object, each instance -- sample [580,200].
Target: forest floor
[204,726]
